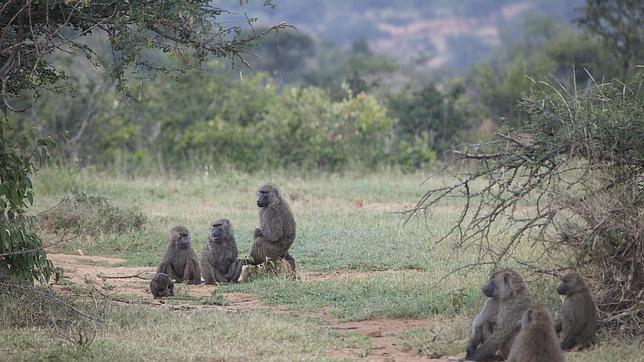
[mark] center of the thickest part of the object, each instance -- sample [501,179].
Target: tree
[619,24]
[567,183]
[32,31]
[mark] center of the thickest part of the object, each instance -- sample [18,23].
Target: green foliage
[416,156]
[619,24]
[438,118]
[207,118]
[80,213]
[21,253]
[579,155]
[547,49]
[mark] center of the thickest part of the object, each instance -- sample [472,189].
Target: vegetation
[344,273]
[579,158]
[148,126]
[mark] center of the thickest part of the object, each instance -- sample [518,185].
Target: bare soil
[127,284]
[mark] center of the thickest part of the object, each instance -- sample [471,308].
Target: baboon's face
[218,230]
[571,283]
[182,237]
[499,284]
[266,195]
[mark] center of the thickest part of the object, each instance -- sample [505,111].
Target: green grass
[400,268]
[398,294]
[141,333]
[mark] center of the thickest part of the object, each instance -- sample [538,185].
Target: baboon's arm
[489,347]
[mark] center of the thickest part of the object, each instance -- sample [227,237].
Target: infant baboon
[536,340]
[483,325]
[161,286]
[276,230]
[578,313]
[220,263]
[508,287]
[180,261]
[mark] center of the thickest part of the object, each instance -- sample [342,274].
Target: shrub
[81,213]
[579,159]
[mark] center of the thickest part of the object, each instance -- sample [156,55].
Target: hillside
[433,34]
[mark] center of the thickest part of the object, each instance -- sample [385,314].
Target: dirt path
[132,283]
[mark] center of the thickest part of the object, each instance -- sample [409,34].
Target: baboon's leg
[192,272]
[234,271]
[208,274]
[291,261]
[168,269]
[263,249]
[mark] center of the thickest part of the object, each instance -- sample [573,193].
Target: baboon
[578,313]
[180,261]
[161,286]
[536,340]
[220,263]
[276,230]
[483,325]
[508,287]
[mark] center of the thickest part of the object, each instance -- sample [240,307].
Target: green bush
[81,213]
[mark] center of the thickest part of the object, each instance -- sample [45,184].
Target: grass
[141,333]
[348,225]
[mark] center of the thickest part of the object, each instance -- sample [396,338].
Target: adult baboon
[514,299]
[536,340]
[483,325]
[180,261]
[276,230]
[220,263]
[578,313]
[161,286]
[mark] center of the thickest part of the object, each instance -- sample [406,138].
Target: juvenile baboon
[578,313]
[180,261]
[220,263]
[508,287]
[536,340]
[161,286]
[483,325]
[276,230]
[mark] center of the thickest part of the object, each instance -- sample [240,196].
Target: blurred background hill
[431,34]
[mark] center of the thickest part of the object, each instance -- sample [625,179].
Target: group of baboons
[220,262]
[509,325]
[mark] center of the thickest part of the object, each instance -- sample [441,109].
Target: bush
[81,213]
[578,158]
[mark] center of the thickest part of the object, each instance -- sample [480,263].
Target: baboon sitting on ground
[578,313]
[220,263]
[514,299]
[161,286]
[536,341]
[276,230]
[180,261]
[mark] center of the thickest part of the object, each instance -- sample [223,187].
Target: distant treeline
[310,106]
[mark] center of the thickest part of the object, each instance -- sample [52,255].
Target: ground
[372,284]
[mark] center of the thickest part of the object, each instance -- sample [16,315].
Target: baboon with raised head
[514,299]
[276,230]
[578,313]
[220,263]
[180,261]
[536,340]
[161,286]
[483,325]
